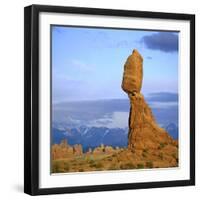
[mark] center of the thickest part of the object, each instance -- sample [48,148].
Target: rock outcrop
[77,149]
[105,150]
[64,150]
[144,132]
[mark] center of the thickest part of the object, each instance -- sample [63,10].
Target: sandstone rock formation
[99,150]
[109,150]
[77,149]
[133,73]
[104,150]
[64,150]
[144,132]
[61,150]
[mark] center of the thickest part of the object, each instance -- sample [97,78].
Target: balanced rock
[144,132]
[133,73]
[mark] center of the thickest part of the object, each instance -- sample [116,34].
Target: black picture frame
[31,98]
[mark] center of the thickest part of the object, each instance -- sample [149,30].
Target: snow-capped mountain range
[91,137]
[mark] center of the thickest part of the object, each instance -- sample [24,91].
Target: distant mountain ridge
[92,137]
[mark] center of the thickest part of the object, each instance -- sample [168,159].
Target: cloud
[162,97]
[116,120]
[163,105]
[163,41]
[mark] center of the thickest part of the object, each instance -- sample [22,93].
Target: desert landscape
[149,145]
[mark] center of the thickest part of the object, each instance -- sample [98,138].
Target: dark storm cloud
[163,41]
[162,97]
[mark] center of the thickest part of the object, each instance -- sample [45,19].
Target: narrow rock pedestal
[144,132]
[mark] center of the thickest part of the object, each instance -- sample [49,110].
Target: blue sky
[87,63]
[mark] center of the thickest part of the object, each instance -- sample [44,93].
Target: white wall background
[11,99]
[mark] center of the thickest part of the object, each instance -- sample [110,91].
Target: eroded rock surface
[144,132]
[133,73]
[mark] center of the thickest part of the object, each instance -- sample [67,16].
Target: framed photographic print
[109,100]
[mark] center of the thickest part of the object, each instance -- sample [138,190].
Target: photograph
[114,99]
[109,99]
